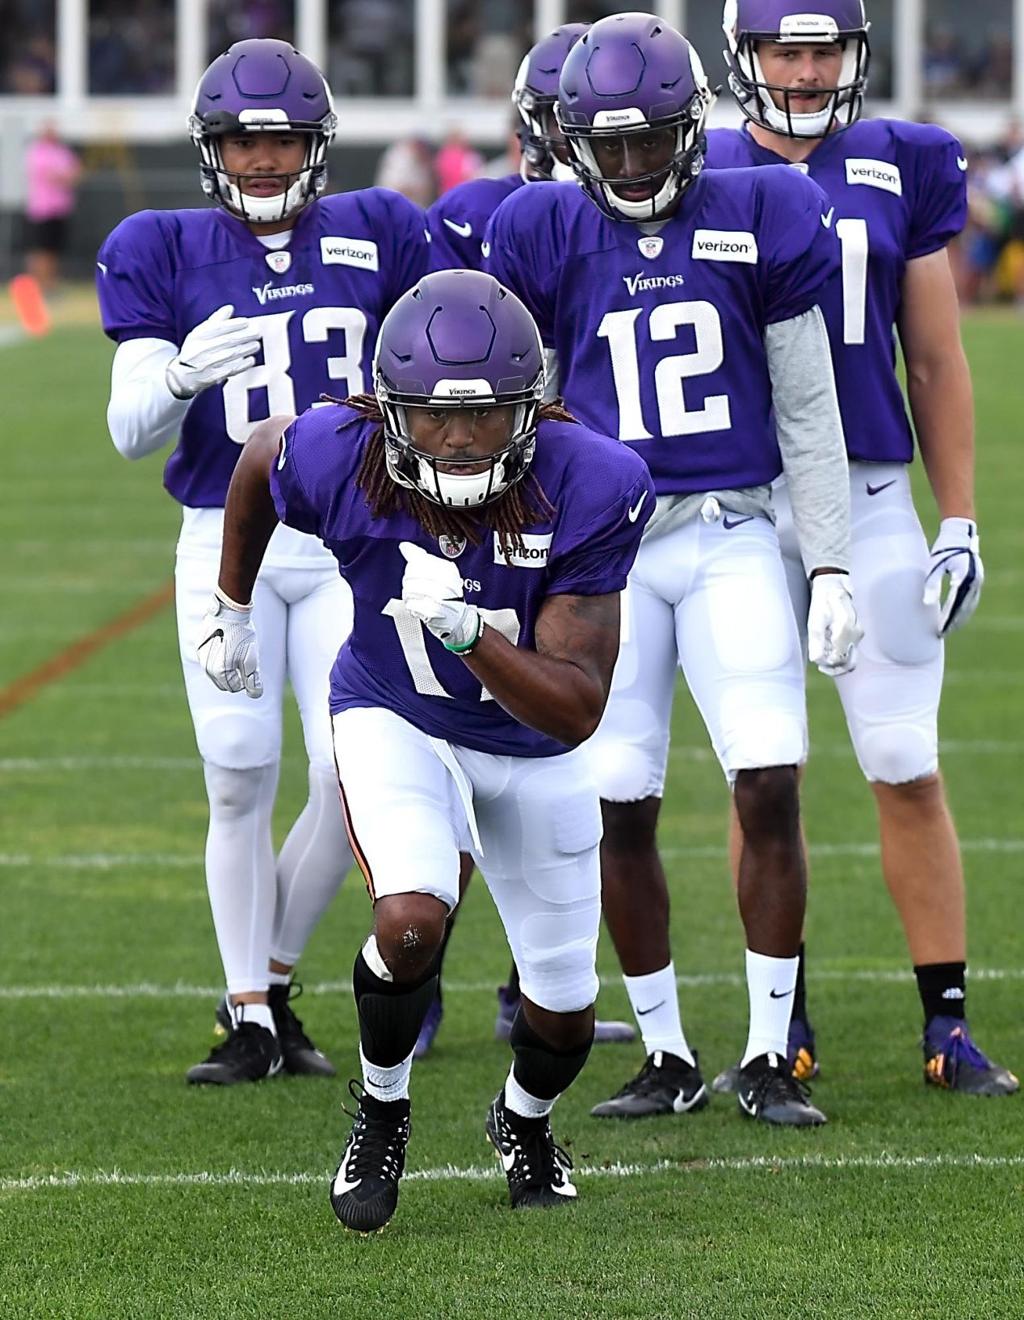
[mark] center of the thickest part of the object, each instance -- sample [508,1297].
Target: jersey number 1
[853,239]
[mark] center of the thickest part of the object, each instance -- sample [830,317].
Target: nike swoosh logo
[485,249]
[877,490]
[507,1160]
[962,163]
[736,522]
[634,512]
[464,230]
[341,1183]
[774,994]
[746,1106]
[214,636]
[642,1012]
[826,219]
[102,267]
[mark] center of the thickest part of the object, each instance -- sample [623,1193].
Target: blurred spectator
[945,70]
[456,161]
[407,166]
[486,41]
[52,171]
[131,47]
[371,48]
[237,20]
[993,69]
[28,63]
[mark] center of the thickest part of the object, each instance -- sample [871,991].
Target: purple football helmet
[458,339]
[630,74]
[534,96]
[262,86]
[748,22]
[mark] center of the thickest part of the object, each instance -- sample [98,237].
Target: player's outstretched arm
[942,405]
[561,687]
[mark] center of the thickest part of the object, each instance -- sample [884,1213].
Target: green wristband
[470,646]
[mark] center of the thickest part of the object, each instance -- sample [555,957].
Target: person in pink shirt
[455,162]
[52,172]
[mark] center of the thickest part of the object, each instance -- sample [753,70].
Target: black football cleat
[953,1062]
[801,1056]
[536,1168]
[249,1054]
[364,1191]
[768,1091]
[301,1056]
[665,1084]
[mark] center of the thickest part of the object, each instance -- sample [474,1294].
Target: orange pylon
[30,305]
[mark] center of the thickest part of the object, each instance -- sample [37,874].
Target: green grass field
[123,1193]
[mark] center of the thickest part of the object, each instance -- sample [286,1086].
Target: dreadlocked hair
[513,510]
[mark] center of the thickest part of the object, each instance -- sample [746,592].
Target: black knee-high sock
[390,1015]
[540,1070]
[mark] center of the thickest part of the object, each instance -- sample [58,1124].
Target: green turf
[101,885]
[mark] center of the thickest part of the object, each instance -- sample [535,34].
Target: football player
[896,198]
[486,542]
[222,316]
[457,222]
[683,306]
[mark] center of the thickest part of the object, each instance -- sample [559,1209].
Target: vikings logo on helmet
[459,339]
[746,23]
[630,75]
[262,86]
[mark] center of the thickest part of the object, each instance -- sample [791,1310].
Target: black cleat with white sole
[364,1191]
[536,1168]
[666,1084]
[250,1054]
[768,1091]
[301,1057]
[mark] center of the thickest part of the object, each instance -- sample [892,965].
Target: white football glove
[955,555]
[432,593]
[226,646]
[219,347]
[832,628]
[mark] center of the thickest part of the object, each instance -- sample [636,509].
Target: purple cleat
[953,1062]
[605,1033]
[428,1030]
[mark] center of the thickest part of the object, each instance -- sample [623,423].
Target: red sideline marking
[75,655]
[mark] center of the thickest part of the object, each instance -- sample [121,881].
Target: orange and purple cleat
[953,1062]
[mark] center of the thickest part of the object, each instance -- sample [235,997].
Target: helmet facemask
[760,100]
[431,475]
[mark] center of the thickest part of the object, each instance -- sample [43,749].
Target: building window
[968,50]
[486,41]
[370,48]
[131,48]
[29,59]
[237,20]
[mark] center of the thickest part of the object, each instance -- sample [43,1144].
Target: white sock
[522,1102]
[770,986]
[258,1013]
[240,871]
[278,978]
[386,1084]
[655,1002]
[313,861]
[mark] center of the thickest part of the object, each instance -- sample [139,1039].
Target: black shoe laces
[246,1041]
[376,1145]
[289,1026]
[771,1085]
[539,1160]
[649,1079]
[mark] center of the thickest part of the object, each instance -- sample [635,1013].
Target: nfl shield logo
[279,261]
[650,246]
[451,546]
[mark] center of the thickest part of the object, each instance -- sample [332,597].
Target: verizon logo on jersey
[876,174]
[534,554]
[358,252]
[724,245]
[270,292]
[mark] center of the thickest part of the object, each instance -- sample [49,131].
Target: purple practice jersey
[602,497]
[896,191]
[316,305]
[458,221]
[660,337]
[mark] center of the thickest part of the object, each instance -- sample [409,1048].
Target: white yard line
[698,980]
[73,1180]
[194,861]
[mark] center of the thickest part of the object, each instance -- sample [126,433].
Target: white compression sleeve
[143,414]
[811,440]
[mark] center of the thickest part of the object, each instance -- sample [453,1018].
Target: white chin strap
[562,173]
[263,210]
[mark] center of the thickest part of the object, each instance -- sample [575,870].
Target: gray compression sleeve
[810,433]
